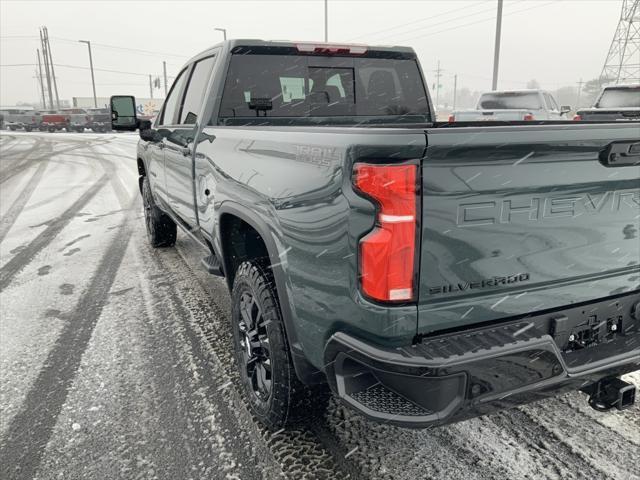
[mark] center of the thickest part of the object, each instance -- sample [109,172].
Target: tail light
[387,253]
[331,49]
[452,118]
[528,117]
[577,118]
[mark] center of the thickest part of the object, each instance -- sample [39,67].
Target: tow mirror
[123,113]
[565,109]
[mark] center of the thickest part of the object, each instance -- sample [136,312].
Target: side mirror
[123,113]
[565,109]
[147,133]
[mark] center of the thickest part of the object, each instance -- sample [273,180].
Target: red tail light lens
[387,253]
[452,118]
[577,118]
[528,117]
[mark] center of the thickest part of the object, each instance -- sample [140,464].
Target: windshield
[305,87]
[510,101]
[620,98]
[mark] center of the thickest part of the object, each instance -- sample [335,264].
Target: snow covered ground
[115,358]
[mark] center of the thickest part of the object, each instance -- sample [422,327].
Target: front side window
[308,87]
[196,90]
[171,104]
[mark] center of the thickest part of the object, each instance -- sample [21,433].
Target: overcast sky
[556,42]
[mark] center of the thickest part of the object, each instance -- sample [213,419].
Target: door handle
[160,145]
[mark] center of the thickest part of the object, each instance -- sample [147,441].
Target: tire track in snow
[29,431]
[19,203]
[54,227]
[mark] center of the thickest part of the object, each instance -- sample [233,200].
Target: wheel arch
[229,213]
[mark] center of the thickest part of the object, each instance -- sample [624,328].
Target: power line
[480,21]
[413,22]
[101,45]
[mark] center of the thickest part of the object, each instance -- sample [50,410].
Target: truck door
[179,143]
[155,149]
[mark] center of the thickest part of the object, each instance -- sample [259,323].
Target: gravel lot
[115,358]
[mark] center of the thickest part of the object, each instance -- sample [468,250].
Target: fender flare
[306,372]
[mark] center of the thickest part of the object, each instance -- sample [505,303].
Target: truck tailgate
[517,220]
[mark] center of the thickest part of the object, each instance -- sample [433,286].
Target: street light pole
[93,79]
[223,30]
[496,51]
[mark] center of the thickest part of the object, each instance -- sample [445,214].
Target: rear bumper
[460,375]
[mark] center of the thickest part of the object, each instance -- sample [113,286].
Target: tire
[27,129]
[161,230]
[52,129]
[269,383]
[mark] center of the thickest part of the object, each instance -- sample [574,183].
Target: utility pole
[53,73]
[580,83]
[326,20]
[455,90]
[93,79]
[45,56]
[164,71]
[224,32]
[438,75]
[496,50]
[44,101]
[150,86]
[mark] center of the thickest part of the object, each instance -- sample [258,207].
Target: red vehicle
[53,120]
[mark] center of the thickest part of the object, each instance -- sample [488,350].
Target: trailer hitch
[609,393]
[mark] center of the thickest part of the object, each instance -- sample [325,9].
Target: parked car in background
[17,118]
[615,103]
[513,105]
[404,261]
[52,121]
[99,119]
[77,119]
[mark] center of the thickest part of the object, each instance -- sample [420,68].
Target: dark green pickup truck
[427,272]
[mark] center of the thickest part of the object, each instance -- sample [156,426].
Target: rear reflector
[528,117]
[452,118]
[331,49]
[387,253]
[577,118]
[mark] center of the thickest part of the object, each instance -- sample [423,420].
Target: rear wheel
[27,129]
[161,230]
[269,382]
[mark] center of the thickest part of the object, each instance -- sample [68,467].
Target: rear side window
[171,104]
[628,97]
[196,90]
[510,101]
[297,86]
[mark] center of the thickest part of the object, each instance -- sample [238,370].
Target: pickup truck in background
[77,119]
[427,272]
[16,119]
[53,121]
[517,105]
[99,119]
[615,103]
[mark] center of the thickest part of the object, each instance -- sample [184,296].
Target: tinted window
[620,98]
[510,101]
[196,91]
[297,86]
[171,104]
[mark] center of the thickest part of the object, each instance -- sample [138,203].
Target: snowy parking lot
[116,358]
